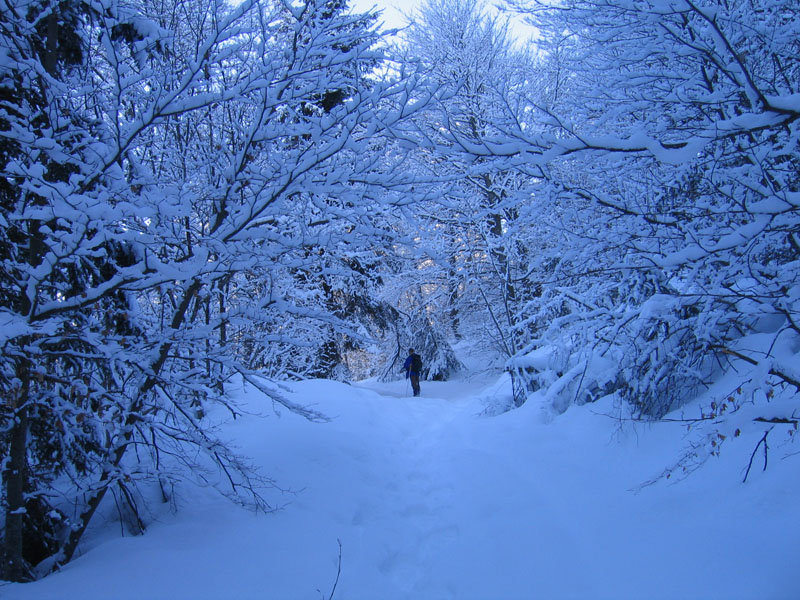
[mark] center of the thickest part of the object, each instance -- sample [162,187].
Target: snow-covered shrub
[672,186]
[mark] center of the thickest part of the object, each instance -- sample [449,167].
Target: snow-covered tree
[168,171]
[675,154]
[469,224]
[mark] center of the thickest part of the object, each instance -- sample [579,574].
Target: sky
[395,11]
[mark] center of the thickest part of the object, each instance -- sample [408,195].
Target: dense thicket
[622,218]
[676,179]
[468,223]
[648,211]
[186,193]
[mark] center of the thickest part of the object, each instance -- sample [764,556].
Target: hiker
[413,368]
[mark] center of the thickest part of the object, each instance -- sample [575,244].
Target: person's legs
[415,384]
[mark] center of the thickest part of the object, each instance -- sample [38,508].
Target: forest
[194,193]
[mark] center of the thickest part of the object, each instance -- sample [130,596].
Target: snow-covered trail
[443,503]
[430,500]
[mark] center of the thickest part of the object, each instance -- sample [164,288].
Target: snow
[430,499]
[789,102]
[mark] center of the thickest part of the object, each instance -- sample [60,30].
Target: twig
[338,570]
[781,420]
[763,440]
[773,370]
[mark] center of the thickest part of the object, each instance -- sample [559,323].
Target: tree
[677,140]
[164,179]
[470,229]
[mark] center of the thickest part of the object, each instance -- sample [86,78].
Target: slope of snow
[431,500]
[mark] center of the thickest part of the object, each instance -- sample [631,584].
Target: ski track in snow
[419,500]
[443,511]
[432,501]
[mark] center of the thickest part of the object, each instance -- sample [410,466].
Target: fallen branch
[254,379]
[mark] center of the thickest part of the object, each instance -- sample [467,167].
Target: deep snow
[432,500]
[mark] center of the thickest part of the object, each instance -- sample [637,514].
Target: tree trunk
[13,567]
[116,454]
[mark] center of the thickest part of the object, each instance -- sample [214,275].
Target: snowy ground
[431,500]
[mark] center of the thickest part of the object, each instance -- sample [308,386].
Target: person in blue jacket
[413,368]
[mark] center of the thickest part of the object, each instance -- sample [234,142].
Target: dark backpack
[416,363]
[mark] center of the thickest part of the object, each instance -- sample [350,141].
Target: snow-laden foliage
[666,146]
[468,223]
[183,186]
